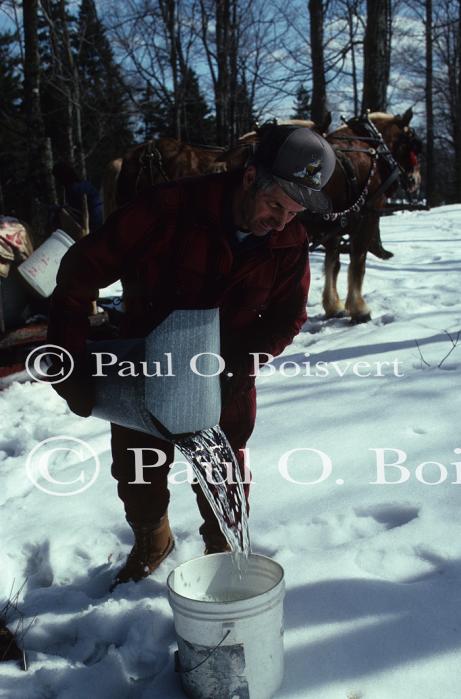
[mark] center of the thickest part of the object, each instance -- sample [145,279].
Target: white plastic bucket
[41,268]
[229,627]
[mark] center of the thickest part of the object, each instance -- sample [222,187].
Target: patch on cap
[310,175]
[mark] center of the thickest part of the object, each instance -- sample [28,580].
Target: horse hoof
[361,318]
[381,253]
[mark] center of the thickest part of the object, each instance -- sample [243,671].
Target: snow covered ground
[373,569]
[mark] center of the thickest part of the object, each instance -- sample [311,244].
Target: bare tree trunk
[232,53]
[62,87]
[68,87]
[319,95]
[233,82]
[17,23]
[48,163]
[169,12]
[223,83]
[40,180]
[376,55]
[79,154]
[457,119]
[75,106]
[2,201]
[430,178]
[179,69]
[351,13]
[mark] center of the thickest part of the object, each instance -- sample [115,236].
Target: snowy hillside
[373,568]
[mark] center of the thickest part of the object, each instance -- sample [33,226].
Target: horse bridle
[380,151]
[151,161]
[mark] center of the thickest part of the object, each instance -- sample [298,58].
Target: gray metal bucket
[183,398]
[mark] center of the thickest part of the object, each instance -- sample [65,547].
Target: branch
[453,342]
[421,354]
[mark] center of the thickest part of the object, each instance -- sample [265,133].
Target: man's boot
[214,539]
[152,545]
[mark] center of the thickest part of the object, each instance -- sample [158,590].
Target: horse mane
[373,116]
[252,136]
[297,122]
[236,156]
[382,116]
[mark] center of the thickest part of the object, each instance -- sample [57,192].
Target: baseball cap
[300,161]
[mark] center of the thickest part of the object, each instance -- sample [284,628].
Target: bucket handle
[178,667]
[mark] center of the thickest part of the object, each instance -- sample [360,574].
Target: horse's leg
[375,246]
[355,303]
[332,304]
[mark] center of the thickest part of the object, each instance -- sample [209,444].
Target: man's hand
[78,389]
[240,367]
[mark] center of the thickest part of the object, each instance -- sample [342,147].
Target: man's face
[265,210]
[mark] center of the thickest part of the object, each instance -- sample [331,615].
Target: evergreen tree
[302,107]
[245,118]
[158,115]
[197,125]
[154,115]
[105,119]
[12,128]
[57,93]
[10,80]
[40,191]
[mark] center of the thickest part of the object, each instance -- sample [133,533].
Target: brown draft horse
[156,161]
[372,151]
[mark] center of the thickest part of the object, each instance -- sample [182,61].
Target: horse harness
[378,151]
[381,152]
[151,161]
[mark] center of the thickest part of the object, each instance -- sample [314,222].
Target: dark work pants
[145,504]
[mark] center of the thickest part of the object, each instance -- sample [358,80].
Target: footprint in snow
[38,571]
[438,564]
[319,323]
[417,430]
[402,563]
[405,563]
[98,652]
[391,515]
[385,319]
